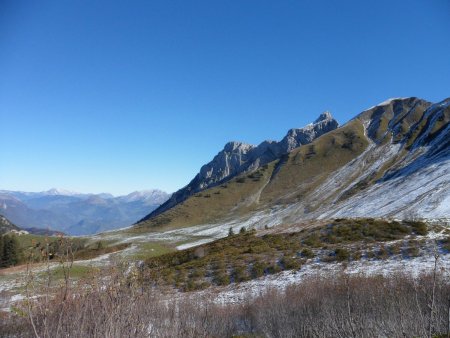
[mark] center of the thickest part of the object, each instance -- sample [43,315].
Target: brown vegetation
[341,306]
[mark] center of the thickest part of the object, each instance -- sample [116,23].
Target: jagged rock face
[298,137]
[238,157]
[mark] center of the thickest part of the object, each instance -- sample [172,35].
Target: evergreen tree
[230,232]
[1,252]
[10,251]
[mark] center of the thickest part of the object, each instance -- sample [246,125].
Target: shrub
[356,256]
[395,249]
[221,278]
[383,253]
[257,269]
[307,253]
[100,245]
[412,251]
[239,274]
[370,254]
[446,244]
[313,241]
[420,228]
[289,263]
[341,254]
[272,269]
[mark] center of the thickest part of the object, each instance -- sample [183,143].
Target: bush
[100,245]
[446,244]
[221,278]
[239,274]
[420,228]
[289,263]
[313,241]
[374,306]
[412,251]
[273,269]
[395,249]
[341,254]
[257,270]
[356,256]
[383,253]
[307,253]
[370,254]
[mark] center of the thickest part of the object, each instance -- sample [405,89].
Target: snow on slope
[424,193]
[413,267]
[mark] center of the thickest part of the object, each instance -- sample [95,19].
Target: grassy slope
[308,166]
[305,168]
[230,199]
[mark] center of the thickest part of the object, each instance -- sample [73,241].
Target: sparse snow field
[238,293]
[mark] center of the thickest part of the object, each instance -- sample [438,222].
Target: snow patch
[414,267]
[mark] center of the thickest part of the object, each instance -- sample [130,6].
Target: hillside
[237,158]
[355,170]
[6,225]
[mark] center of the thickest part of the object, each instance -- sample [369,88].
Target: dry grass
[338,306]
[308,166]
[229,199]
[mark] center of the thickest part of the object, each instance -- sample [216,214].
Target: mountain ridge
[238,157]
[356,170]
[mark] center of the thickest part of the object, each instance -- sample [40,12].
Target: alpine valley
[335,230]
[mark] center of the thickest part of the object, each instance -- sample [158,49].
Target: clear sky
[116,96]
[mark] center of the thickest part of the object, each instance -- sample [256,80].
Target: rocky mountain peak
[326,115]
[236,145]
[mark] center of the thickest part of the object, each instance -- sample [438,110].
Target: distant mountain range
[76,213]
[391,160]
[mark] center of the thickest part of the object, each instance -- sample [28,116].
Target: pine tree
[1,252]
[10,251]
[230,232]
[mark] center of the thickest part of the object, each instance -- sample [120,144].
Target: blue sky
[117,96]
